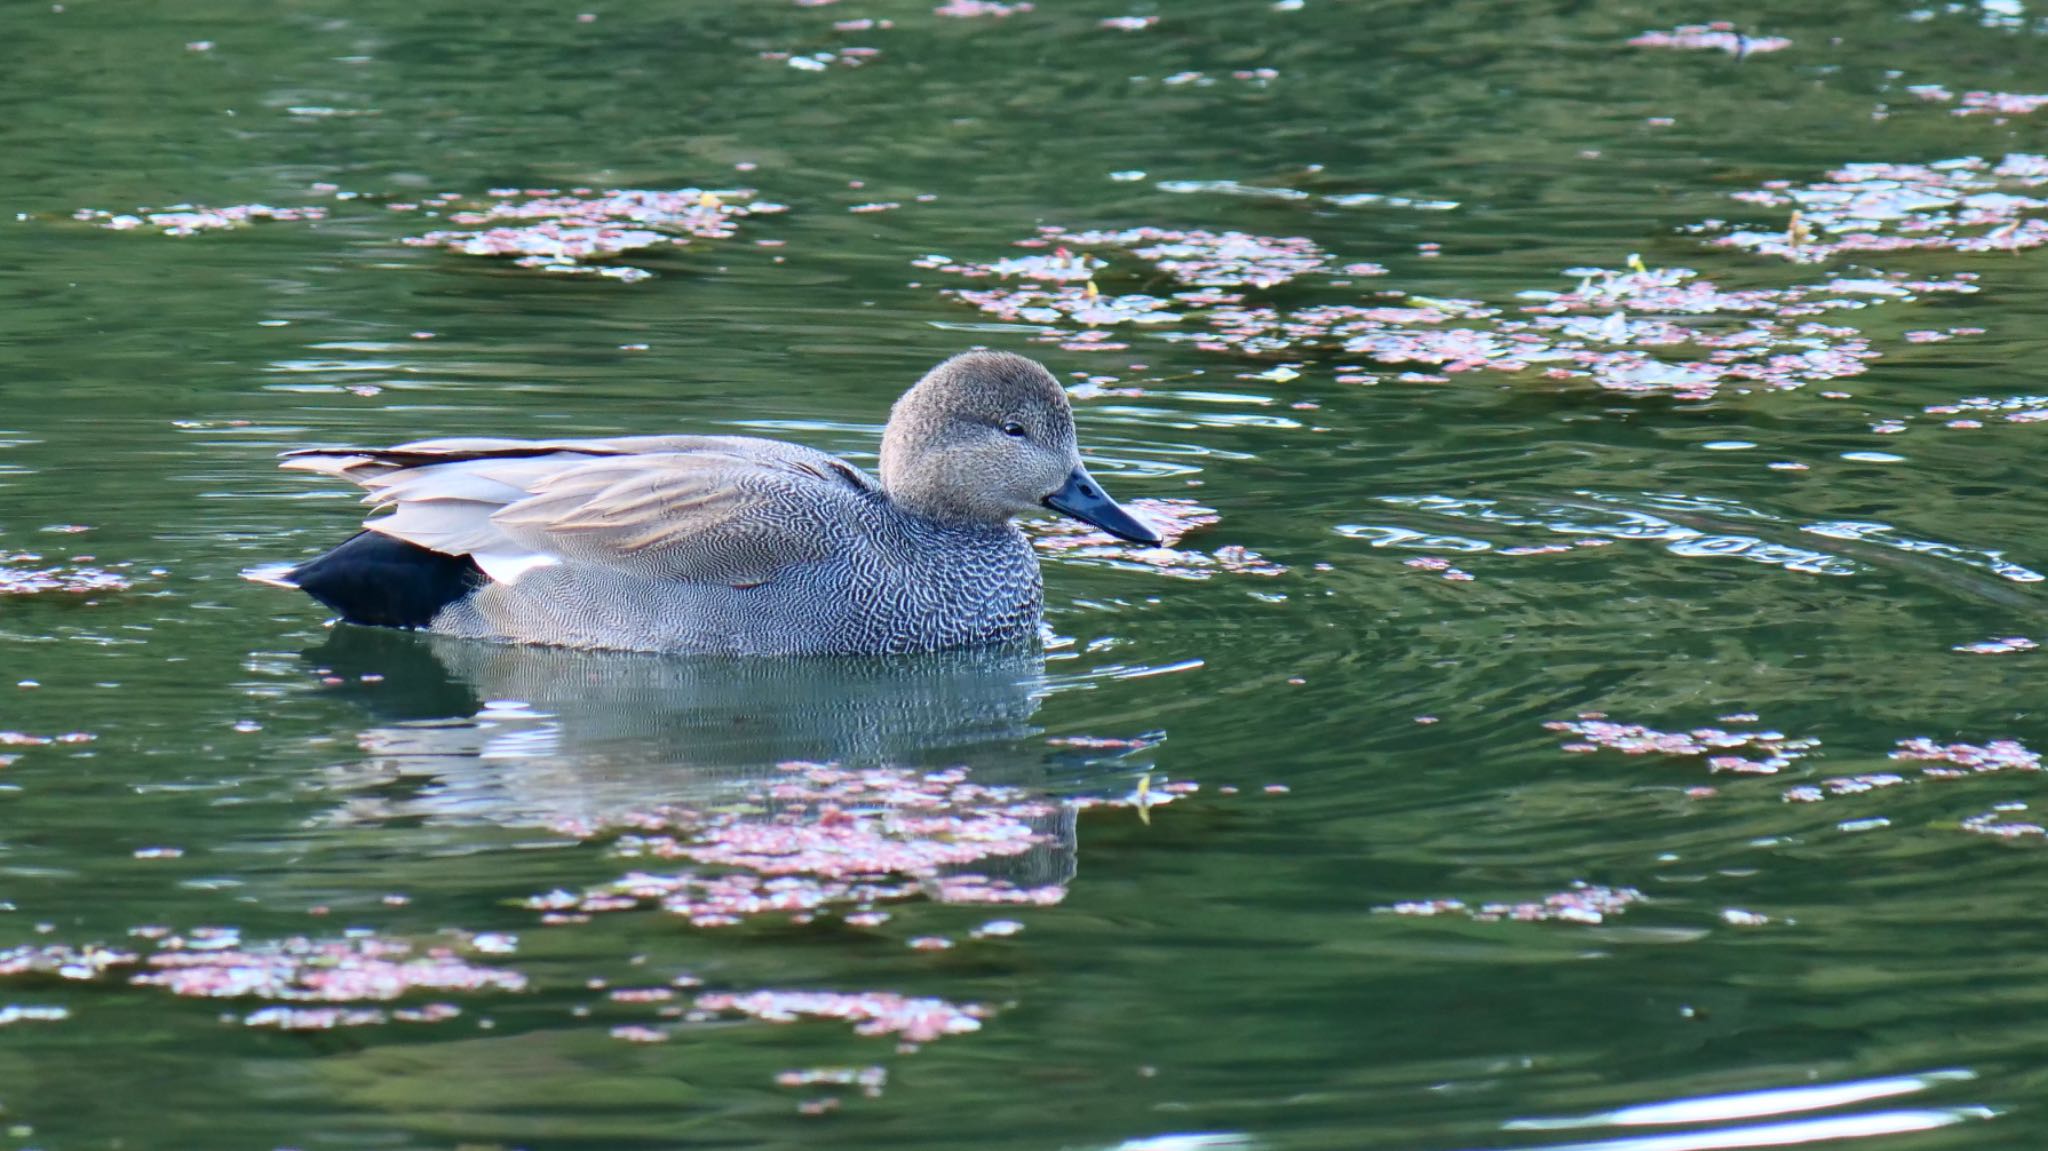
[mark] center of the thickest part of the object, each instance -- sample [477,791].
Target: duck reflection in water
[584,741]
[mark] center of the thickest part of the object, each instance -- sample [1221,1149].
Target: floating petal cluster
[1210,259]
[818,838]
[1981,103]
[572,232]
[1844,785]
[1638,330]
[871,1012]
[870,1079]
[1172,519]
[1773,751]
[1441,566]
[192,219]
[577,231]
[1944,761]
[25,573]
[329,1018]
[23,739]
[64,962]
[1968,204]
[1967,758]
[717,900]
[1972,411]
[1999,645]
[1719,36]
[820,61]
[968,9]
[1997,825]
[1613,330]
[215,964]
[1581,903]
[2000,104]
[1255,77]
[1052,307]
[1059,290]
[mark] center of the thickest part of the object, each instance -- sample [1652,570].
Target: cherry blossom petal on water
[25,573]
[192,219]
[1719,36]
[2016,409]
[1968,204]
[969,9]
[569,232]
[1997,646]
[1951,761]
[1207,259]
[915,1020]
[302,969]
[1743,340]
[2000,104]
[1998,825]
[66,962]
[1172,519]
[1772,751]
[1640,330]
[821,61]
[24,739]
[1968,758]
[314,1018]
[637,1033]
[870,1079]
[818,838]
[1582,903]
[1059,292]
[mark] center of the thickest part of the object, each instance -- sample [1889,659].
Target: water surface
[1418,608]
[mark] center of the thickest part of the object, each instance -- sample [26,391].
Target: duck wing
[728,509]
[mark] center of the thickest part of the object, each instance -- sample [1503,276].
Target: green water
[1219,975]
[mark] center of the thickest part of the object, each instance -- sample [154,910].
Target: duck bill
[1082,498]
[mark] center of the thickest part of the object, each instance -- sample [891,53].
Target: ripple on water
[1629,519]
[869,859]
[1763,1104]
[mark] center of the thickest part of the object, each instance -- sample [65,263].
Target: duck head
[987,436]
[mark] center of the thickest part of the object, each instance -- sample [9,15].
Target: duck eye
[1013,428]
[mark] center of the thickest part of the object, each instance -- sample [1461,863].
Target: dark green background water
[1220,970]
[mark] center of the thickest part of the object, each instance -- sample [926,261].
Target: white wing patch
[507,567]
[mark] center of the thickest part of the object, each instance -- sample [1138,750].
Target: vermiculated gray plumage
[739,545]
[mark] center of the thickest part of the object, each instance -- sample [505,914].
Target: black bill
[1084,499]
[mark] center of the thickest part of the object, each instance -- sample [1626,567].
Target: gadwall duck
[724,544]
